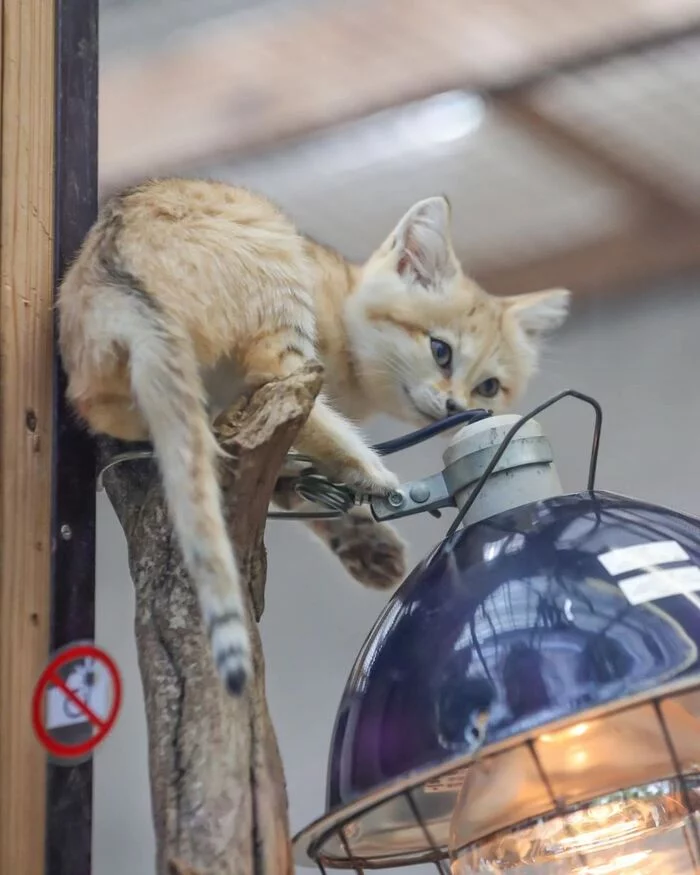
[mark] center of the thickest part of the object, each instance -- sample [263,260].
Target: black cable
[464,417]
[339,499]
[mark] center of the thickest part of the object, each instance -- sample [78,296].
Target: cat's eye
[489,388]
[442,353]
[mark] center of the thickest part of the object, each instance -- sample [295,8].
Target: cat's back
[220,260]
[199,201]
[178,218]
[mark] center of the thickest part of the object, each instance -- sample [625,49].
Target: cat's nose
[452,407]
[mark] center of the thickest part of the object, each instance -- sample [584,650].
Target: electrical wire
[464,417]
[312,486]
[338,498]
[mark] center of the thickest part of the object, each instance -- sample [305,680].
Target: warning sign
[76,702]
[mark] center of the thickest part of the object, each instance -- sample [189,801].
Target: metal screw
[419,492]
[66,532]
[396,498]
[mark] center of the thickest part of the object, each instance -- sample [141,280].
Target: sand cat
[186,293]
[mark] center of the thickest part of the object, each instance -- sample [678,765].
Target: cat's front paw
[371,552]
[369,476]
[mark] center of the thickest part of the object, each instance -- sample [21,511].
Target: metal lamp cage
[329,842]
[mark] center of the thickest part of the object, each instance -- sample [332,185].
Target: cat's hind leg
[371,552]
[115,415]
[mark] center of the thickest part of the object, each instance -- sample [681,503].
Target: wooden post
[26,416]
[47,201]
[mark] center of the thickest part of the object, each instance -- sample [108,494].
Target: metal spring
[314,487]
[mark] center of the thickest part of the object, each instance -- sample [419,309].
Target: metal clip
[417,496]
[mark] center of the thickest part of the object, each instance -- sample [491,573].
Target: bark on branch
[217,786]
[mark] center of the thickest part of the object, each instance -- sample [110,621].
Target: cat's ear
[423,245]
[540,312]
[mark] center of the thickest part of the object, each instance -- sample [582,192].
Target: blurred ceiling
[567,135]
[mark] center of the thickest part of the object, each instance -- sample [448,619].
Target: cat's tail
[167,387]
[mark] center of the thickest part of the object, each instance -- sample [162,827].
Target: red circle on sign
[50,676]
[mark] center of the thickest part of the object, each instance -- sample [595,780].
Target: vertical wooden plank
[69,826]
[26,402]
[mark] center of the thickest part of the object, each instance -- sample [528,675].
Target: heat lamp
[529,699]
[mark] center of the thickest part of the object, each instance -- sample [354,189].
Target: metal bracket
[437,491]
[417,496]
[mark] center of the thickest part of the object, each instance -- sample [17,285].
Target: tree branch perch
[217,785]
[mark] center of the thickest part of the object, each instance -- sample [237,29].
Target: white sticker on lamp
[642,556]
[660,583]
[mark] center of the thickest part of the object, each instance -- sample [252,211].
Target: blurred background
[567,137]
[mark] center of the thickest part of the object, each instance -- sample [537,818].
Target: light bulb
[645,831]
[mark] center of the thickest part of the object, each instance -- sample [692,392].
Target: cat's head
[427,340]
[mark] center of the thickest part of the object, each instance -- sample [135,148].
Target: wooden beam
[615,264]
[26,420]
[73,523]
[237,89]
[650,193]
